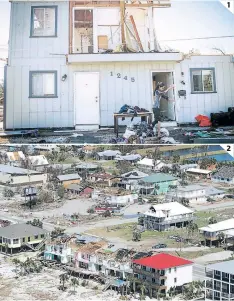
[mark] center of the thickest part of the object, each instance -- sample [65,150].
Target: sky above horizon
[219,22]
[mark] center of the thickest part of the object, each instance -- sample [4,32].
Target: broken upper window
[83,31]
[44,21]
[43,84]
[203,80]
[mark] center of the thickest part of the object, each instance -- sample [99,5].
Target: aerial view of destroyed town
[116,222]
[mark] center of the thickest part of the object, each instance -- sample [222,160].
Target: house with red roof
[163,271]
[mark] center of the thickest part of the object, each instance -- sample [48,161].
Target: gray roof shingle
[225,172]
[68,177]
[21,230]
[8,169]
[225,266]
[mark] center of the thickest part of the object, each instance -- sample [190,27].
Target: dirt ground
[101,136]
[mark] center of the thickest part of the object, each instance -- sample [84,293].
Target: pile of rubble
[67,220]
[4,223]
[142,133]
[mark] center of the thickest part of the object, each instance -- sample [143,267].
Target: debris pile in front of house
[144,133]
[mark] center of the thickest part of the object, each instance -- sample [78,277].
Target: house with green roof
[157,183]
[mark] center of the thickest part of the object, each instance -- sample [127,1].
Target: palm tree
[150,290]
[175,169]
[176,158]
[193,290]
[156,188]
[212,220]
[165,169]
[192,227]
[210,200]
[221,237]
[143,290]
[63,279]
[172,186]
[74,283]
[171,292]
[184,201]
[133,282]
[17,264]
[136,235]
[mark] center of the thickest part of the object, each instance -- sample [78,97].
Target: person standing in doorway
[159,92]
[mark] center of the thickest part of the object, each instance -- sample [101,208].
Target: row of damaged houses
[116,264]
[93,255]
[160,272]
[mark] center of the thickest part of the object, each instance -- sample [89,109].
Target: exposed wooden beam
[122,24]
[71,5]
[136,33]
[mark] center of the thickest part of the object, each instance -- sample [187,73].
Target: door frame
[173,74]
[74,94]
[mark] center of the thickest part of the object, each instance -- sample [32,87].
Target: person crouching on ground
[159,92]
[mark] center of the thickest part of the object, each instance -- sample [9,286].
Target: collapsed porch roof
[109,3]
[116,3]
[124,57]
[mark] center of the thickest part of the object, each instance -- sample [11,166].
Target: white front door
[86,98]
[171,95]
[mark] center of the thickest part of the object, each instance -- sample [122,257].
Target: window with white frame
[203,80]
[217,273]
[43,84]
[44,21]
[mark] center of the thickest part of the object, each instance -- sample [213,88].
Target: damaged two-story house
[165,216]
[101,257]
[74,63]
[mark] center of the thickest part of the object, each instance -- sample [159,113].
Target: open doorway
[167,108]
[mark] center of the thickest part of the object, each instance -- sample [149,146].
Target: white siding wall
[183,274]
[29,179]
[16,180]
[191,194]
[115,92]
[231,181]
[196,196]
[195,104]
[4,178]
[23,112]
[32,54]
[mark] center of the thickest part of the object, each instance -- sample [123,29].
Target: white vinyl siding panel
[44,22]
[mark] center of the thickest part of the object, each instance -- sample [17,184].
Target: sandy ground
[209,258]
[71,206]
[44,287]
